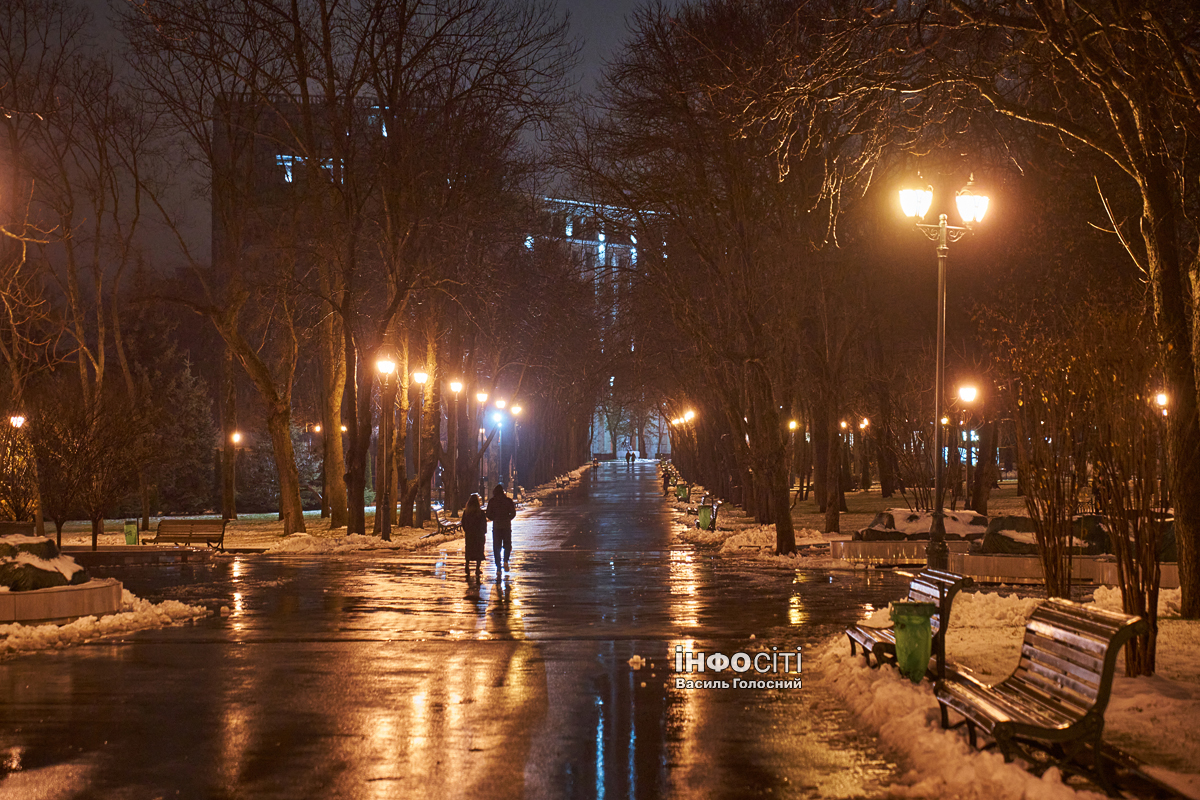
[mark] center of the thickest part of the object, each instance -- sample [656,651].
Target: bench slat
[1052,711]
[1054,682]
[1037,648]
[1093,633]
[1086,661]
[1063,706]
[1000,707]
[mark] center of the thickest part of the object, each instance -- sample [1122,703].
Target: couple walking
[500,510]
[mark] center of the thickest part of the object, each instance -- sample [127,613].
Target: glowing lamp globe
[971,204]
[915,201]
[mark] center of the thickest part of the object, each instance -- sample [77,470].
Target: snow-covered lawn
[1152,718]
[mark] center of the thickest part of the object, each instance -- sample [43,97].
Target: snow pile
[990,610]
[905,715]
[551,487]
[917,523]
[1109,597]
[35,562]
[762,539]
[307,544]
[135,615]
[65,565]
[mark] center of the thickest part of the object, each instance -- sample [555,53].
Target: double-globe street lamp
[972,206]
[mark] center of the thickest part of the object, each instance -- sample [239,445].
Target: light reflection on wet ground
[388,676]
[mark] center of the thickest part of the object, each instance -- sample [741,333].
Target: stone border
[61,603]
[894,554]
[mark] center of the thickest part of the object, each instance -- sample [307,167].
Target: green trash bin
[681,492]
[704,518]
[131,532]
[914,638]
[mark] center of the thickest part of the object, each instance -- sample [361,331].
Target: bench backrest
[11,528]
[191,525]
[1070,651]
[937,586]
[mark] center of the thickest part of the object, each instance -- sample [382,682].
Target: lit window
[287,162]
[375,117]
[290,165]
[570,228]
[528,242]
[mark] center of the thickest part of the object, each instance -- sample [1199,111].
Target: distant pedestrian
[474,524]
[666,482]
[501,510]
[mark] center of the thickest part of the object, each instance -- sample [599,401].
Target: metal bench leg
[1098,764]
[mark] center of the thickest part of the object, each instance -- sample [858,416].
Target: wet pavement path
[372,675]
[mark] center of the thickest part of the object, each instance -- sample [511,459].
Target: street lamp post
[231,481]
[971,207]
[792,426]
[516,415]
[386,365]
[1161,400]
[864,455]
[498,418]
[450,501]
[422,503]
[481,398]
[968,394]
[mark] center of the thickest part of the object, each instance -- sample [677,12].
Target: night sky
[601,24]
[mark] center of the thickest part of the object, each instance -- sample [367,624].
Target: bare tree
[1123,82]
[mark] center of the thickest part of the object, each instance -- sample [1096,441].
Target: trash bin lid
[911,610]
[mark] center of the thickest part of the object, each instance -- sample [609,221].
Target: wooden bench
[190,531]
[927,586]
[445,525]
[1055,699]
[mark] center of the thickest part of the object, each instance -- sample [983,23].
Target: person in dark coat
[474,524]
[501,510]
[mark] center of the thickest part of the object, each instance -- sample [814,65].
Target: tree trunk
[333,383]
[785,531]
[279,425]
[97,529]
[833,468]
[358,404]
[1180,361]
[820,451]
[986,471]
